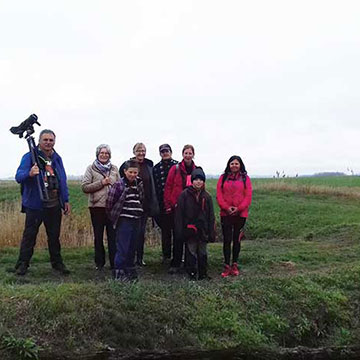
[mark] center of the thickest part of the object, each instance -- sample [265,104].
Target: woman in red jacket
[233,195]
[178,179]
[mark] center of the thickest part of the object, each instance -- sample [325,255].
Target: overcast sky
[276,82]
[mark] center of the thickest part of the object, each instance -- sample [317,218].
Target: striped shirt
[132,207]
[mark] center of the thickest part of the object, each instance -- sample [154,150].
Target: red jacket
[175,184]
[234,193]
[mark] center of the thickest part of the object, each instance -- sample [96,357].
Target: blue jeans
[127,232]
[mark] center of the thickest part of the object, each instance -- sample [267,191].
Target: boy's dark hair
[131,164]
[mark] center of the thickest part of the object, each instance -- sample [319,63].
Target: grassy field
[300,282]
[282,208]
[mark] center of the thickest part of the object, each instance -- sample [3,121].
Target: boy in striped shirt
[125,207]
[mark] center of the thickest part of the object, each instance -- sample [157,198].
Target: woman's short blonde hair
[103,146]
[137,145]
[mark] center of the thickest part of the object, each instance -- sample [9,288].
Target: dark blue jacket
[30,192]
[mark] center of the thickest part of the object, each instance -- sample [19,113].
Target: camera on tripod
[27,125]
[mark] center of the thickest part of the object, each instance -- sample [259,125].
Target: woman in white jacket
[98,179]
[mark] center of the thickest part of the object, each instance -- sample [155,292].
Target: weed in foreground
[23,349]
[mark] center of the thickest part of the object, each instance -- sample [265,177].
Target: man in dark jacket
[48,211]
[195,223]
[165,220]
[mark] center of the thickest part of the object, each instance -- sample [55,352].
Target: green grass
[280,214]
[300,285]
[290,293]
[273,214]
[333,181]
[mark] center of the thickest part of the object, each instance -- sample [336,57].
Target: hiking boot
[204,277]
[99,266]
[192,276]
[21,269]
[133,277]
[235,270]
[165,261]
[227,271]
[173,270]
[121,276]
[61,268]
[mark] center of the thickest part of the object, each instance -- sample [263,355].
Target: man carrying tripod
[40,209]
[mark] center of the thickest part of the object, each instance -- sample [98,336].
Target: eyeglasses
[103,153]
[165,151]
[140,151]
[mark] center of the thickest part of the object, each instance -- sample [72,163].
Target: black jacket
[161,172]
[194,216]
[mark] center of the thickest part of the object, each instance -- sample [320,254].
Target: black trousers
[196,257]
[178,251]
[100,222]
[232,226]
[51,218]
[166,223]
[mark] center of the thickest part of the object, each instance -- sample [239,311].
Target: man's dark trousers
[51,217]
[166,223]
[178,251]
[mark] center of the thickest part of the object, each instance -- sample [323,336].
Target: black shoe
[204,277]
[140,263]
[61,268]
[165,261]
[99,268]
[21,269]
[174,270]
[192,276]
[121,276]
[132,276]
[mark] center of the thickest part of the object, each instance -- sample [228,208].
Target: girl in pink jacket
[233,195]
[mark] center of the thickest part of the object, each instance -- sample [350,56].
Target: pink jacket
[234,193]
[175,184]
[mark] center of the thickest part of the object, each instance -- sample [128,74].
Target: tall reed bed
[76,229]
[265,211]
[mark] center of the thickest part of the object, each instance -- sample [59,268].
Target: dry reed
[76,231]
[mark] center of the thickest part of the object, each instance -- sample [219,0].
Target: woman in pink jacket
[233,195]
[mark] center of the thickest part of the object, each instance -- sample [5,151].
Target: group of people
[121,201]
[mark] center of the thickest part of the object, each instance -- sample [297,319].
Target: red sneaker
[227,271]
[235,270]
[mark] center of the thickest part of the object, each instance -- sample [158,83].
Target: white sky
[276,82]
